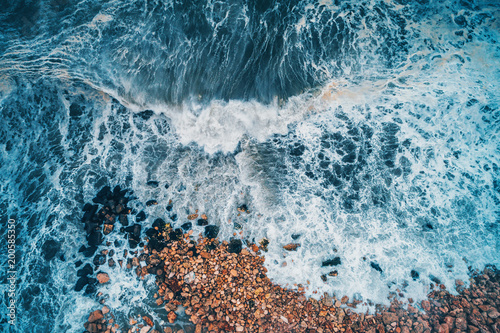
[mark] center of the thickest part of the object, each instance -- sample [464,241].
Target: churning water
[367,130]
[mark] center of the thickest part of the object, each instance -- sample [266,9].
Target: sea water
[363,130]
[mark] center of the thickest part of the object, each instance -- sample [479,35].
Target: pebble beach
[207,285]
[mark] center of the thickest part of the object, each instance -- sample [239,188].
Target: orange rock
[255,248]
[203,216]
[95,316]
[171,317]
[107,229]
[192,216]
[234,272]
[102,277]
[205,255]
[148,321]
[105,309]
[291,247]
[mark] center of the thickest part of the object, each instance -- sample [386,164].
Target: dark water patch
[50,249]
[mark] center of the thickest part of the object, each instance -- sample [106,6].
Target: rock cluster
[225,292]
[108,208]
[101,321]
[223,287]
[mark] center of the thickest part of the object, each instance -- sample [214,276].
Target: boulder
[211,231]
[234,246]
[331,262]
[95,316]
[102,277]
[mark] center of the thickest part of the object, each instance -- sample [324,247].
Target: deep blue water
[369,128]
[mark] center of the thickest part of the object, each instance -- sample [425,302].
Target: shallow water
[370,129]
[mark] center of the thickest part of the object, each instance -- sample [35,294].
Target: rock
[108,228]
[95,238]
[450,321]
[150,203]
[389,318]
[493,313]
[414,275]
[434,279]
[376,266]
[148,320]
[82,282]
[153,183]
[141,216]
[171,317]
[264,242]
[461,324]
[201,222]
[105,309]
[95,316]
[123,220]
[86,270]
[50,249]
[333,273]
[233,273]
[291,247]
[111,262]
[405,329]
[192,217]
[169,330]
[205,255]
[327,300]
[92,327]
[102,277]
[331,262]
[242,209]
[234,246]
[443,328]
[426,305]
[211,231]
[99,260]
[176,234]
[103,196]
[473,329]
[187,226]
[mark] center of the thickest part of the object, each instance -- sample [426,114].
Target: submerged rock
[331,262]
[211,231]
[86,270]
[150,203]
[187,226]
[141,216]
[376,266]
[99,259]
[202,222]
[153,183]
[234,246]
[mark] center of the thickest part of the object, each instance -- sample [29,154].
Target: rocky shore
[211,286]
